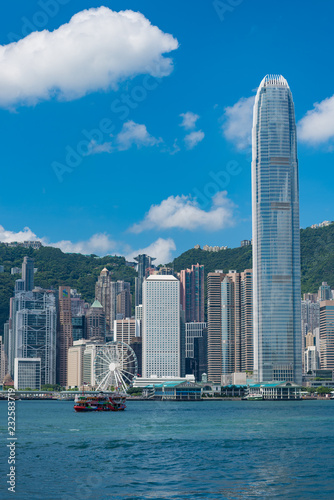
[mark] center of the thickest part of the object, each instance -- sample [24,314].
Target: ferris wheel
[115,365]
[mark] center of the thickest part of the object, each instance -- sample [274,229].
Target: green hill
[56,268]
[317,258]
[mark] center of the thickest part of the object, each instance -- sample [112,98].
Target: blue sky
[166,112]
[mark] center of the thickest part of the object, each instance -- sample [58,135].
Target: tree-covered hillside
[56,268]
[317,258]
[81,272]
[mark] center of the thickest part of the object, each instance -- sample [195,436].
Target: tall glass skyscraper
[276,238]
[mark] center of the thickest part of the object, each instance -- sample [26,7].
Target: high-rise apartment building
[230,332]
[28,273]
[161,326]
[192,293]
[246,299]
[276,238]
[64,333]
[144,261]
[327,335]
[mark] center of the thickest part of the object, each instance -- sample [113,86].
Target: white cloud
[161,249]
[20,236]
[317,126]
[135,134]
[189,120]
[94,148]
[99,244]
[96,50]
[193,139]
[238,121]
[184,212]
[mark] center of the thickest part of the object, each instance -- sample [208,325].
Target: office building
[143,262]
[27,374]
[75,358]
[106,292]
[64,333]
[96,322]
[192,293]
[311,359]
[201,355]
[78,327]
[161,326]
[137,345]
[28,273]
[324,292]
[3,360]
[34,330]
[124,303]
[327,335]
[192,331]
[276,235]
[310,316]
[126,330]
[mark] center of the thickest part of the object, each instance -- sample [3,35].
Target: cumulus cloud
[184,212]
[96,50]
[95,148]
[161,249]
[238,121]
[191,140]
[135,134]
[189,120]
[317,126]
[99,244]
[25,235]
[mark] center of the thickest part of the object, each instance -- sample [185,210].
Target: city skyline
[192,129]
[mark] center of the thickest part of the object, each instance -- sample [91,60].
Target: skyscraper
[106,292]
[96,322]
[161,327]
[276,238]
[144,261]
[230,332]
[28,273]
[192,293]
[327,334]
[35,328]
[64,333]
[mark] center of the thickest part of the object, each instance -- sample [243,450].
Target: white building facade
[161,326]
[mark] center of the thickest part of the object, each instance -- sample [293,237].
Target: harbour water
[173,450]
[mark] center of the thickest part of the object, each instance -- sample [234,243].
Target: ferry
[100,402]
[253,397]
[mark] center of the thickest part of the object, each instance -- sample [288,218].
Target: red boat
[100,402]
